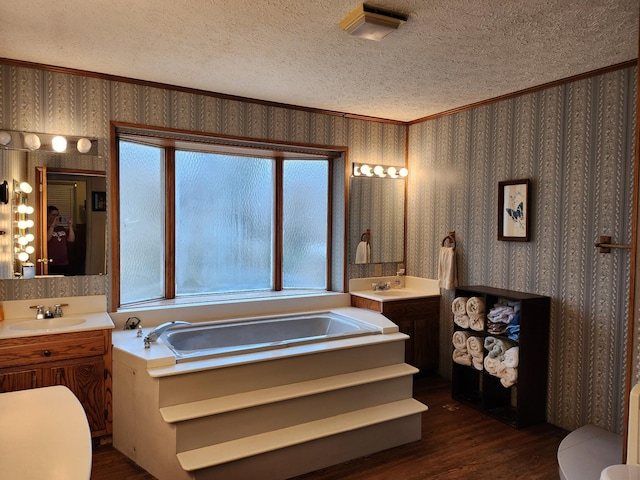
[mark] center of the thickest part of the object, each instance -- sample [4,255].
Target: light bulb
[23,256]
[83,145]
[30,249]
[22,208]
[30,210]
[392,172]
[356,171]
[59,143]
[22,224]
[379,170]
[22,240]
[5,138]
[25,187]
[366,170]
[32,141]
[404,172]
[30,238]
[30,223]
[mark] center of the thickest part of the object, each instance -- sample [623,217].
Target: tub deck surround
[81,314]
[160,355]
[412,287]
[269,414]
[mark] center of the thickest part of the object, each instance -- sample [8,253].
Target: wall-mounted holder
[4,192]
[605,245]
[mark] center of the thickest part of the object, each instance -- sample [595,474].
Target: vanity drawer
[30,350]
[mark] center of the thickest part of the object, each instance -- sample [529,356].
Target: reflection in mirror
[377,204]
[72,222]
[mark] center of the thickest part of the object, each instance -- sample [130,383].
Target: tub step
[215,406]
[219,454]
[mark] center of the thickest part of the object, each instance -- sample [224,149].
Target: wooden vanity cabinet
[80,361]
[417,317]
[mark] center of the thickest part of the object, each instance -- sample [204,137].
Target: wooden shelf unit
[524,403]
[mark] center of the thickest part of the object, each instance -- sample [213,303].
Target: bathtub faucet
[156,332]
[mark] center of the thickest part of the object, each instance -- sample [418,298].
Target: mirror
[377,204]
[19,165]
[71,221]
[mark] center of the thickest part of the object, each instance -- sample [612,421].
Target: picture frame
[514,219]
[99,202]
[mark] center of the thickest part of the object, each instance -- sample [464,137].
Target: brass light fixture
[371,22]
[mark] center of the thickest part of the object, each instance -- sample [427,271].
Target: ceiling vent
[371,22]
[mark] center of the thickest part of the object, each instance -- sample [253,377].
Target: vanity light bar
[47,142]
[382,171]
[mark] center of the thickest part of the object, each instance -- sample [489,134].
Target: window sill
[218,307]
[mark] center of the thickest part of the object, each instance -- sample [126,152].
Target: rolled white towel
[511,357]
[476,362]
[476,321]
[461,357]
[475,347]
[460,339]
[491,365]
[459,306]
[461,320]
[508,376]
[475,305]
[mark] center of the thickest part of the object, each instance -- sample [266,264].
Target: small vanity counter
[44,434]
[411,288]
[79,314]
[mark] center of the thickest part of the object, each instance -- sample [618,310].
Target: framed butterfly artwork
[514,197]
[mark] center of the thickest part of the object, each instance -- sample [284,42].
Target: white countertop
[44,434]
[412,287]
[79,314]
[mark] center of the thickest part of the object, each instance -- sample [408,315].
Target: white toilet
[630,470]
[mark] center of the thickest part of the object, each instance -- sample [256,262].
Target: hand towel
[476,321]
[511,357]
[476,362]
[461,357]
[363,252]
[508,376]
[459,305]
[447,271]
[461,320]
[475,347]
[475,305]
[491,365]
[460,340]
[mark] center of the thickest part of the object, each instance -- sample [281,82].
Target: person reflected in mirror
[59,233]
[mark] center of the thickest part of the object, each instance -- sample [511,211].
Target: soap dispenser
[397,282]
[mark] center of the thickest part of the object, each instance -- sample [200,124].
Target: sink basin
[48,323]
[396,293]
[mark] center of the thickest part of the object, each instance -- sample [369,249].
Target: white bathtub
[209,340]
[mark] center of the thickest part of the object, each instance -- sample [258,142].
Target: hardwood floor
[457,442]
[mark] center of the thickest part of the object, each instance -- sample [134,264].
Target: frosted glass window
[141,222]
[304,231]
[240,223]
[224,223]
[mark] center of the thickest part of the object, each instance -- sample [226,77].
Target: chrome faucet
[381,286]
[58,310]
[153,335]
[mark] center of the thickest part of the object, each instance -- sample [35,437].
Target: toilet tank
[633,437]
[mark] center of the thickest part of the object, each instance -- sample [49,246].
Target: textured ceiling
[450,53]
